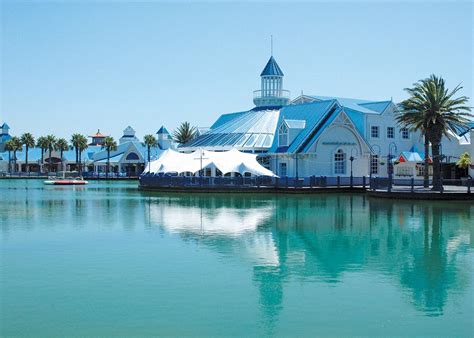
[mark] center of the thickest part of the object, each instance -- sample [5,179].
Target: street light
[390,165]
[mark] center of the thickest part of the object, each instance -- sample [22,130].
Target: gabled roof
[313,113]
[162,130]
[272,68]
[5,125]
[413,155]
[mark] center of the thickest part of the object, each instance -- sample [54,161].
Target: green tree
[42,144]
[150,142]
[50,143]
[79,143]
[464,161]
[9,147]
[109,145]
[435,111]
[184,133]
[29,141]
[14,144]
[61,146]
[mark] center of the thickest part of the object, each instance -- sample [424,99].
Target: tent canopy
[233,160]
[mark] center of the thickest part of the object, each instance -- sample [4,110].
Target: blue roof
[272,68]
[162,130]
[226,118]
[463,131]
[250,129]
[363,106]
[4,138]
[313,113]
[5,125]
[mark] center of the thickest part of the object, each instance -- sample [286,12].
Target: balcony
[271,98]
[274,93]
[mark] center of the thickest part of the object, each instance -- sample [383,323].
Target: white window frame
[372,128]
[283,132]
[392,129]
[339,159]
[374,165]
[405,132]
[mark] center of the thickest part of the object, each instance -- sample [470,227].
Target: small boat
[63,181]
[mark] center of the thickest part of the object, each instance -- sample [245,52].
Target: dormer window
[283,135]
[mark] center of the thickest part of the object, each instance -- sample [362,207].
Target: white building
[316,135]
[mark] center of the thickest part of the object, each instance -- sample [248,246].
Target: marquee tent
[233,160]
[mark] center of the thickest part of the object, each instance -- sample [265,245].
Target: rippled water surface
[107,260]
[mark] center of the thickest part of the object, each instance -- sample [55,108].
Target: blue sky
[78,66]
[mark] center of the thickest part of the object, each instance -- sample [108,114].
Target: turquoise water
[108,260]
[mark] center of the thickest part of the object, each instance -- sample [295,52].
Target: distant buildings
[128,160]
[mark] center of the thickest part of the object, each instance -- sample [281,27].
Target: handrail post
[412,184]
[469,182]
[363,181]
[338,181]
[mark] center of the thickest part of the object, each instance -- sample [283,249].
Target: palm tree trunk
[62,162]
[26,160]
[79,165]
[426,174]
[42,160]
[148,154]
[50,167]
[437,185]
[77,159]
[108,164]
[14,161]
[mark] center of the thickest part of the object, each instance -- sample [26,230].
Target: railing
[285,94]
[151,181]
[462,185]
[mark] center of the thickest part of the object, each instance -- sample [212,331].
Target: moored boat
[63,181]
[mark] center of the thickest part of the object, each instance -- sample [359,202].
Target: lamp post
[390,164]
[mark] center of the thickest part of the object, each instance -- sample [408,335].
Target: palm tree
[184,133]
[50,143]
[29,141]
[14,146]
[61,146]
[42,143]
[150,142]
[79,143]
[109,145]
[9,148]
[433,109]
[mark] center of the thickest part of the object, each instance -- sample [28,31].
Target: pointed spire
[271,45]
[272,68]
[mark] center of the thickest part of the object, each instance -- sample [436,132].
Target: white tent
[233,160]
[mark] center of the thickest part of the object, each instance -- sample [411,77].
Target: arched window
[132,156]
[340,162]
[283,135]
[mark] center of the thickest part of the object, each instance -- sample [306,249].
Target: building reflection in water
[325,238]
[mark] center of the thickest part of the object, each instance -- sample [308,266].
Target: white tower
[271,93]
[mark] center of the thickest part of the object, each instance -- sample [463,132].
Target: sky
[80,66]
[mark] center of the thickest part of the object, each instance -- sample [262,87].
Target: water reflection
[326,238]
